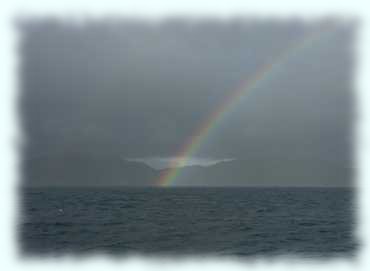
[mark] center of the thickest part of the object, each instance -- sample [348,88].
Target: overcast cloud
[140,89]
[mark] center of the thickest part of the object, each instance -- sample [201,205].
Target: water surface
[308,222]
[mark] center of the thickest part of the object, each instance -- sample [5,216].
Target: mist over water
[302,222]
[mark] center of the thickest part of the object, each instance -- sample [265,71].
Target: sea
[241,222]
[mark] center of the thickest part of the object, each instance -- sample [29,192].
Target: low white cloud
[166,162]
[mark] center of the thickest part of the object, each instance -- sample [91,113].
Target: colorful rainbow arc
[210,122]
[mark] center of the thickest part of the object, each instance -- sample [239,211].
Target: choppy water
[313,222]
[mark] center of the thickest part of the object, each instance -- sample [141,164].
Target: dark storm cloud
[139,89]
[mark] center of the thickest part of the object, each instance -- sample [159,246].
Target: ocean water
[303,222]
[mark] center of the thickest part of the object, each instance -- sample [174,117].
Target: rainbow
[211,121]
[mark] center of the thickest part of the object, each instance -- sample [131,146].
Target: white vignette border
[11,135]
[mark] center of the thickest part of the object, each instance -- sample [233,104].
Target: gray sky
[140,89]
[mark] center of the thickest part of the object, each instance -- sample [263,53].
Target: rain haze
[105,94]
